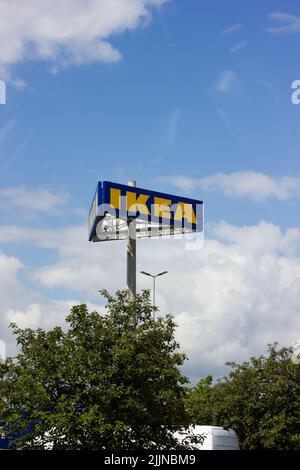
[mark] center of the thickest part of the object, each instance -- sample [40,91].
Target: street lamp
[154,276]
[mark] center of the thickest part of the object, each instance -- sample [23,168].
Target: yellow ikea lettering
[162,207]
[185,211]
[115,196]
[137,204]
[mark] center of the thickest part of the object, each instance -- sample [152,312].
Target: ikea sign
[127,202]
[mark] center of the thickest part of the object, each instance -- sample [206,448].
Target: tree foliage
[260,399]
[110,381]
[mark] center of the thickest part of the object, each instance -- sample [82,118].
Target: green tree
[260,399]
[197,401]
[110,381]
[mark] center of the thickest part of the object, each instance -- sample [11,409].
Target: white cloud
[185,183]
[248,184]
[83,266]
[296,352]
[230,299]
[12,293]
[238,47]
[27,307]
[2,92]
[252,184]
[231,29]
[34,199]
[237,295]
[172,127]
[9,267]
[28,319]
[6,75]
[67,32]
[227,81]
[46,314]
[264,238]
[289,23]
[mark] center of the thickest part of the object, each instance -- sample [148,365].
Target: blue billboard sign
[127,202]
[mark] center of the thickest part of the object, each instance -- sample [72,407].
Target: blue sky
[157,111]
[197,89]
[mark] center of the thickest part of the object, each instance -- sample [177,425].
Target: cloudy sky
[191,98]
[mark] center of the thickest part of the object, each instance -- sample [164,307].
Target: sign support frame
[131,253]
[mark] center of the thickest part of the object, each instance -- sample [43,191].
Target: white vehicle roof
[215,437]
[210,429]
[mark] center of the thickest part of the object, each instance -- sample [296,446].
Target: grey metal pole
[131,253]
[153,294]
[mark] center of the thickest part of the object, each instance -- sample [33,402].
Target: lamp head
[161,274]
[146,274]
